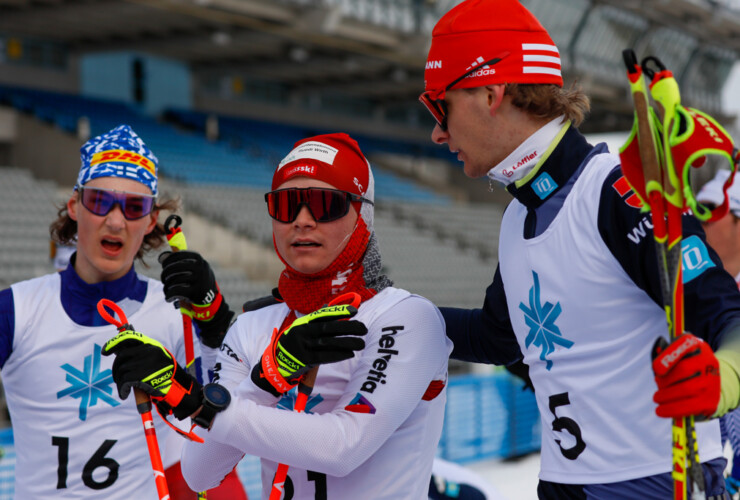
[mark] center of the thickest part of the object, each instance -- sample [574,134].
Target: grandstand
[27,207]
[220,90]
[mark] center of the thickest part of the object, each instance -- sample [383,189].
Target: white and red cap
[333,158]
[477,31]
[712,192]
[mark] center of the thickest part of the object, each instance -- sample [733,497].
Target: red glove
[687,374]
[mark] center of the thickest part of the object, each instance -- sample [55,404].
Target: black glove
[187,277]
[146,364]
[315,339]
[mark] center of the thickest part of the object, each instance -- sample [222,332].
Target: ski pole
[648,179]
[655,162]
[305,387]
[664,90]
[176,240]
[663,196]
[143,404]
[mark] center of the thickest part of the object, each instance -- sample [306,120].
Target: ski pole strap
[350,298]
[189,435]
[701,138]
[122,323]
[689,137]
[175,236]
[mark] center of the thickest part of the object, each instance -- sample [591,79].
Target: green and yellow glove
[146,364]
[315,339]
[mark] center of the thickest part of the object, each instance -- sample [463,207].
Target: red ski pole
[143,404]
[305,387]
[176,240]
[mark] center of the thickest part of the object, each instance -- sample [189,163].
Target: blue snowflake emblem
[89,384]
[287,402]
[540,319]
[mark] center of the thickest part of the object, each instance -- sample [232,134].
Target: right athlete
[577,293]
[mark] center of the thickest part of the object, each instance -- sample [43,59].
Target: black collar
[562,163]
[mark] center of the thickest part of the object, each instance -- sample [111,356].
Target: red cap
[333,158]
[477,31]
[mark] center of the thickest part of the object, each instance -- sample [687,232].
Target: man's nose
[439,136]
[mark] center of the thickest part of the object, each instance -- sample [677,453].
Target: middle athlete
[373,422]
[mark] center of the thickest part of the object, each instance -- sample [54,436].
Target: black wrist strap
[205,416]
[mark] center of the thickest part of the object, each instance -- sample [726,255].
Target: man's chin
[473,172]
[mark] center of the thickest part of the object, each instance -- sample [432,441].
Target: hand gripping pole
[143,403]
[305,386]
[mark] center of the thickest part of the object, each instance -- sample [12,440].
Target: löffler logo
[523,161]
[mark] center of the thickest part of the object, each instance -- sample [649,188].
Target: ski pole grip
[630,60]
[143,403]
[308,381]
[175,236]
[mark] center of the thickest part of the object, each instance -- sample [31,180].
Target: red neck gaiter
[306,293]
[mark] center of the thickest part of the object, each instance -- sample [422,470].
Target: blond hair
[550,101]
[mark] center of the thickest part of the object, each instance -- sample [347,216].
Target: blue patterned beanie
[118,153]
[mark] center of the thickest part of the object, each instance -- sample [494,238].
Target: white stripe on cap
[545,59]
[541,70]
[528,56]
[540,46]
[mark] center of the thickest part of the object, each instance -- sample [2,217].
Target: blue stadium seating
[247,159]
[271,141]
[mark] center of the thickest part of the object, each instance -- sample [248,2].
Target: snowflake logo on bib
[540,319]
[287,402]
[89,384]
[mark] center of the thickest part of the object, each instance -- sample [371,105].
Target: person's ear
[153,217]
[72,205]
[495,94]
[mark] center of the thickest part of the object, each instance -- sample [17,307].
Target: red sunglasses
[101,202]
[434,100]
[325,205]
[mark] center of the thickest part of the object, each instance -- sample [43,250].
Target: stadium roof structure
[373,51]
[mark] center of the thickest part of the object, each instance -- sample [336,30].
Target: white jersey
[368,432]
[589,359]
[74,437]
